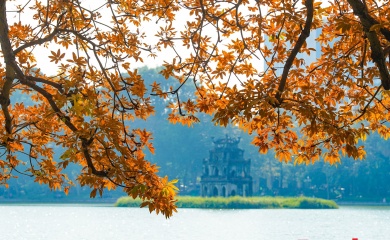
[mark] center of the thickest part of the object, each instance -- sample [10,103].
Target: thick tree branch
[377,55]
[301,40]
[9,57]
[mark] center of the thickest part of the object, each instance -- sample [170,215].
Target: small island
[226,183]
[241,202]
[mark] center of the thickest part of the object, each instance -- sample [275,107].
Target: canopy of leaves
[311,110]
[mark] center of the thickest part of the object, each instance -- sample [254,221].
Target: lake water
[56,222]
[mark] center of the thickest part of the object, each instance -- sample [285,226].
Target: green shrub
[128,202]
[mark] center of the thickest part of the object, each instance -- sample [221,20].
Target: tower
[226,173]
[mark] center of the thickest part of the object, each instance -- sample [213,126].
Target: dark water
[105,222]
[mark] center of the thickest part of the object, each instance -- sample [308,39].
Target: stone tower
[226,173]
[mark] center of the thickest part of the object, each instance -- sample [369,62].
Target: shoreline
[114,201]
[357,203]
[57,201]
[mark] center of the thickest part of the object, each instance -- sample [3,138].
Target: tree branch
[301,40]
[53,84]
[377,55]
[9,57]
[39,41]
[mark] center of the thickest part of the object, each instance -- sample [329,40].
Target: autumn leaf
[93,193]
[56,56]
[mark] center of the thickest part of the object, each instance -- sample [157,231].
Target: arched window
[215,192]
[204,191]
[233,193]
[223,193]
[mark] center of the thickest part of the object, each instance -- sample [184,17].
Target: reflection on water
[103,222]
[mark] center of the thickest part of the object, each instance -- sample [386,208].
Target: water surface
[105,222]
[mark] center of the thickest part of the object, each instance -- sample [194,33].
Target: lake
[105,222]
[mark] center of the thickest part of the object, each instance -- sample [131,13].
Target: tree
[310,110]
[85,108]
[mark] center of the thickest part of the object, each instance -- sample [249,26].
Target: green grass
[241,202]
